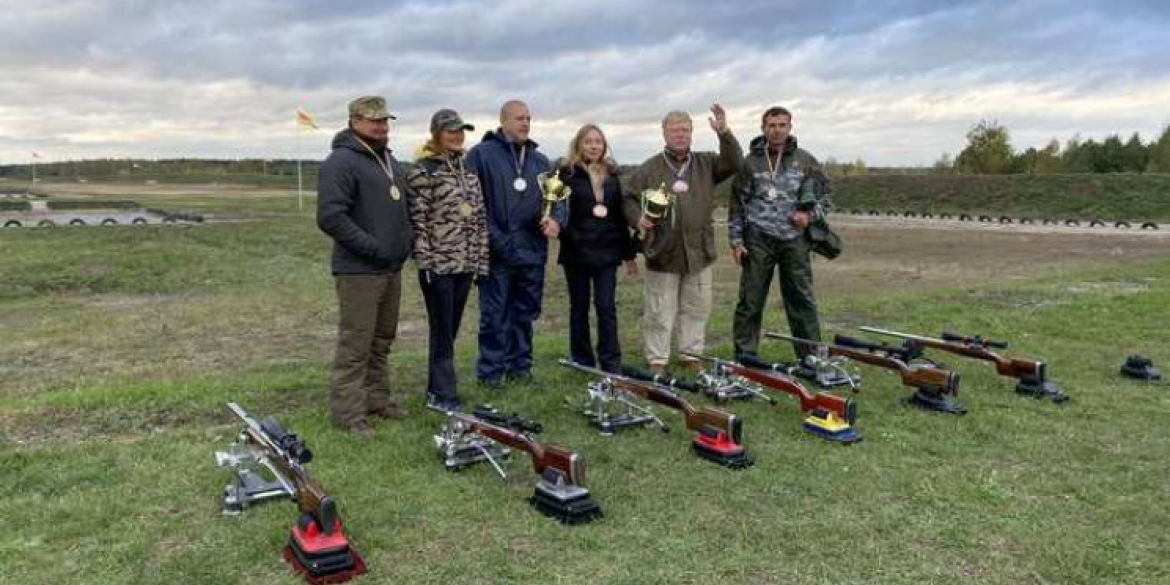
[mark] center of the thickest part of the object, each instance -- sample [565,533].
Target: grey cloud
[170,68]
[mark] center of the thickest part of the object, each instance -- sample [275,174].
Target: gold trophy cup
[553,191]
[656,204]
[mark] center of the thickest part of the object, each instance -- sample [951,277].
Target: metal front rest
[250,487]
[460,448]
[611,409]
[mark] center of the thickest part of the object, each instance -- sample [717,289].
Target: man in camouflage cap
[361,205]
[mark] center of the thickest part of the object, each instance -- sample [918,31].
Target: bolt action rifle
[830,416]
[934,388]
[719,433]
[1032,375]
[318,548]
[719,388]
[468,439]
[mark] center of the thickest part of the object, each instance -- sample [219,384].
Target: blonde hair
[677,117]
[576,155]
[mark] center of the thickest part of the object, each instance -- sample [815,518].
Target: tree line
[124,167]
[989,151]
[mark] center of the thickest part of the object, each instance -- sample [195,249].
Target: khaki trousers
[671,301]
[368,307]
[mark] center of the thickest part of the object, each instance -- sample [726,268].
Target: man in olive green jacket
[680,247]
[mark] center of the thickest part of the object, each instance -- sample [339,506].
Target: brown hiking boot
[389,412]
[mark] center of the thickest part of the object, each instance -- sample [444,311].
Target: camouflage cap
[448,119]
[370,107]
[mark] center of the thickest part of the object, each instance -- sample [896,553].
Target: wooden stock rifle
[719,434]
[829,416]
[318,548]
[468,439]
[719,388]
[1032,375]
[934,388]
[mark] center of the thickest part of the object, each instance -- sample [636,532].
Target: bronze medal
[600,211]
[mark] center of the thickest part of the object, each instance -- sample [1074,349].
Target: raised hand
[719,119]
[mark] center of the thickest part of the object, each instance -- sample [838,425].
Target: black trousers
[445,296]
[599,284]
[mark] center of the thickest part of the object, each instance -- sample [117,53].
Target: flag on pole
[304,120]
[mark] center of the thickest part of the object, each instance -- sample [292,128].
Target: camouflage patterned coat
[450,227]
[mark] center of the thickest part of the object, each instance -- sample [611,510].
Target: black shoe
[444,404]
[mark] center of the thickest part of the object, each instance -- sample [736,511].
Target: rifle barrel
[893,333]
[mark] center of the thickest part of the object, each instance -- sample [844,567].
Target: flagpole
[300,186]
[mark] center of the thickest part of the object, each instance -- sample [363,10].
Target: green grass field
[121,345]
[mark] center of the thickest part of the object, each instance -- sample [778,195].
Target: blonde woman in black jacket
[594,242]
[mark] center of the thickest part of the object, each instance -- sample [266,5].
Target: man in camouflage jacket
[779,190]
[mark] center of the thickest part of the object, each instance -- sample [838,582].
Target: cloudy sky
[892,83]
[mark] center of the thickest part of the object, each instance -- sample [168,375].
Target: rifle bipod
[466,440]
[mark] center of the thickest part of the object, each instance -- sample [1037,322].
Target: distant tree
[944,165]
[1159,154]
[1134,155]
[1110,156]
[1048,160]
[988,150]
[1078,156]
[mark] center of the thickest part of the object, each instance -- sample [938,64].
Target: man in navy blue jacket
[508,164]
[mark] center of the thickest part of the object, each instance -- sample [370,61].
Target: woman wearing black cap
[450,245]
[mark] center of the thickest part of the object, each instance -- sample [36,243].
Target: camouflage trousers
[790,260]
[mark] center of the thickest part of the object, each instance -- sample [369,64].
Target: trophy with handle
[656,204]
[552,191]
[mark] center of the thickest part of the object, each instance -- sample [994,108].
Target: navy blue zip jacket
[513,217]
[371,232]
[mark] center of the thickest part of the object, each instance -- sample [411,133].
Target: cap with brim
[370,107]
[447,119]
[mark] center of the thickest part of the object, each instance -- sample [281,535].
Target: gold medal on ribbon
[465,209]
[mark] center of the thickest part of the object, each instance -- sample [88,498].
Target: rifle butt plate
[719,448]
[322,558]
[828,426]
[936,401]
[568,503]
[1041,389]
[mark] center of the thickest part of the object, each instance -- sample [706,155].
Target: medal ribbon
[385,164]
[519,161]
[684,168]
